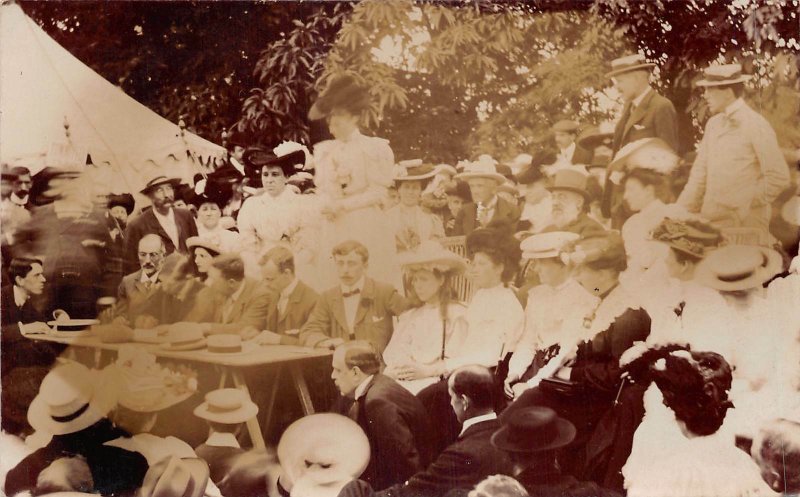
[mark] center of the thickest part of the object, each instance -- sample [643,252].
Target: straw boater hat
[484,167]
[202,242]
[175,477]
[628,63]
[571,179]
[431,255]
[691,237]
[321,453]
[738,267]
[566,126]
[414,170]
[72,398]
[723,75]
[648,153]
[146,386]
[535,429]
[547,245]
[159,180]
[342,91]
[182,338]
[228,406]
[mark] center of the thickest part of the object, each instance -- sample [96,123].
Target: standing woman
[353,173]
[428,334]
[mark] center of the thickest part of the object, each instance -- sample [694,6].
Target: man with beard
[173,225]
[570,200]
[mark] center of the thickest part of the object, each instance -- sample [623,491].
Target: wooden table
[231,368]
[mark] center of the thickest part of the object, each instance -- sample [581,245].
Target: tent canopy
[56,110]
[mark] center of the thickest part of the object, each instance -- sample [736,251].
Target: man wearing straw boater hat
[646,114]
[739,170]
[486,207]
[173,225]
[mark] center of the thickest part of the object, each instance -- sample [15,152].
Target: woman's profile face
[484,272]
[426,285]
[342,123]
[202,259]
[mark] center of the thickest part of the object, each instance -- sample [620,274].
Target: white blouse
[264,220]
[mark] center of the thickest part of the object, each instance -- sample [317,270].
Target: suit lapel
[367,294]
[470,217]
[500,210]
[238,304]
[156,226]
[638,113]
[337,307]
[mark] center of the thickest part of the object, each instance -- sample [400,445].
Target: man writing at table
[358,308]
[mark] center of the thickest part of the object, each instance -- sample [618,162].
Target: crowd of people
[600,317]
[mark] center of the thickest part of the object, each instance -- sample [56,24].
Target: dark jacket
[397,427]
[146,223]
[554,484]
[301,302]
[134,299]
[583,226]
[463,464]
[219,459]
[504,212]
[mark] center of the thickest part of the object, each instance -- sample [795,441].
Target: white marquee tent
[55,110]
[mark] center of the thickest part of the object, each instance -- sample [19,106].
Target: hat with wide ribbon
[203,242]
[227,406]
[414,170]
[546,245]
[484,167]
[734,268]
[629,63]
[535,429]
[723,75]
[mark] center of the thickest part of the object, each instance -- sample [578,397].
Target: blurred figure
[565,132]
[537,209]
[15,209]
[776,450]
[120,207]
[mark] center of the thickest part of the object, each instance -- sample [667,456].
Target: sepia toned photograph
[400,248]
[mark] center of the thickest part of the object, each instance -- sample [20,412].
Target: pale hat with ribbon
[653,154]
[628,63]
[722,75]
[414,170]
[547,245]
[184,337]
[484,167]
[175,477]
[519,163]
[71,398]
[147,386]
[738,267]
[431,255]
[227,406]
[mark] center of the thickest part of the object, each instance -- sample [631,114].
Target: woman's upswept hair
[498,243]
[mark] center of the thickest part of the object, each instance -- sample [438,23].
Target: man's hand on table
[329,343]
[267,337]
[145,322]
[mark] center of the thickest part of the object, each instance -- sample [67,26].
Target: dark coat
[135,299]
[581,155]
[301,302]
[555,484]
[397,427]
[146,223]
[467,219]
[462,465]
[583,226]
[219,459]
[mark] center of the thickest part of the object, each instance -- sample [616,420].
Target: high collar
[734,106]
[358,286]
[477,419]
[20,201]
[636,102]
[20,296]
[361,389]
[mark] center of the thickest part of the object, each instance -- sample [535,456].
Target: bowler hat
[342,91]
[629,63]
[535,429]
[570,179]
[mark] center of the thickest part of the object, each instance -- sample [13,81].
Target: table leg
[302,388]
[223,377]
[273,393]
[252,424]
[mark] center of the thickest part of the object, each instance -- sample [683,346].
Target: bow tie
[351,293]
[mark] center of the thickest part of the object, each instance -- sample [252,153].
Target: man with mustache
[14,209]
[570,200]
[173,225]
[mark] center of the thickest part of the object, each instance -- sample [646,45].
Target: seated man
[472,457]
[394,420]
[18,298]
[293,300]
[360,308]
[232,303]
[571,198]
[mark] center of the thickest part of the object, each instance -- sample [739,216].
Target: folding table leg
[273,393]
[252,424]
[302,388]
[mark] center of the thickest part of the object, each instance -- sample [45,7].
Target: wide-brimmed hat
[146,386]
[570,179]
[531,175]
[519,162]
[738,267]
[722,75]
[227,406]
[203,242]
[431,255]
[628,63]
[124,200]
[256,158]
[71,398]
[648,153]
[342,91]
[324,448]
[535,429]
[459,189]
[484,167]
[184,338]
[692,237]
[446,169]
[595,136]
[175,477]
[566,126]
[414,171]
[159,180]
[604,250]
[546,245]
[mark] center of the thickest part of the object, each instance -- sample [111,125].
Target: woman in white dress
[430,333]
[353,173]
[412,224]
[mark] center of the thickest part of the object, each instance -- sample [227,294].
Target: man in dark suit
[472,457]
[486,207]
[646,115]
[173,225]
[570,204]
[394,420]
[360,308]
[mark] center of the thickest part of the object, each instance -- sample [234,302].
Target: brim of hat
[621,158]
[569,189]
[203,244]
[593,140]
[103,401]
[247,347]
[725,82]
[503,441]
[418,177]
[241,415]
[197,344]
[541,255]
[456,265]
[637,67]
[172,181]
[163,403]
[316,113]
[495,176]
[708,278]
